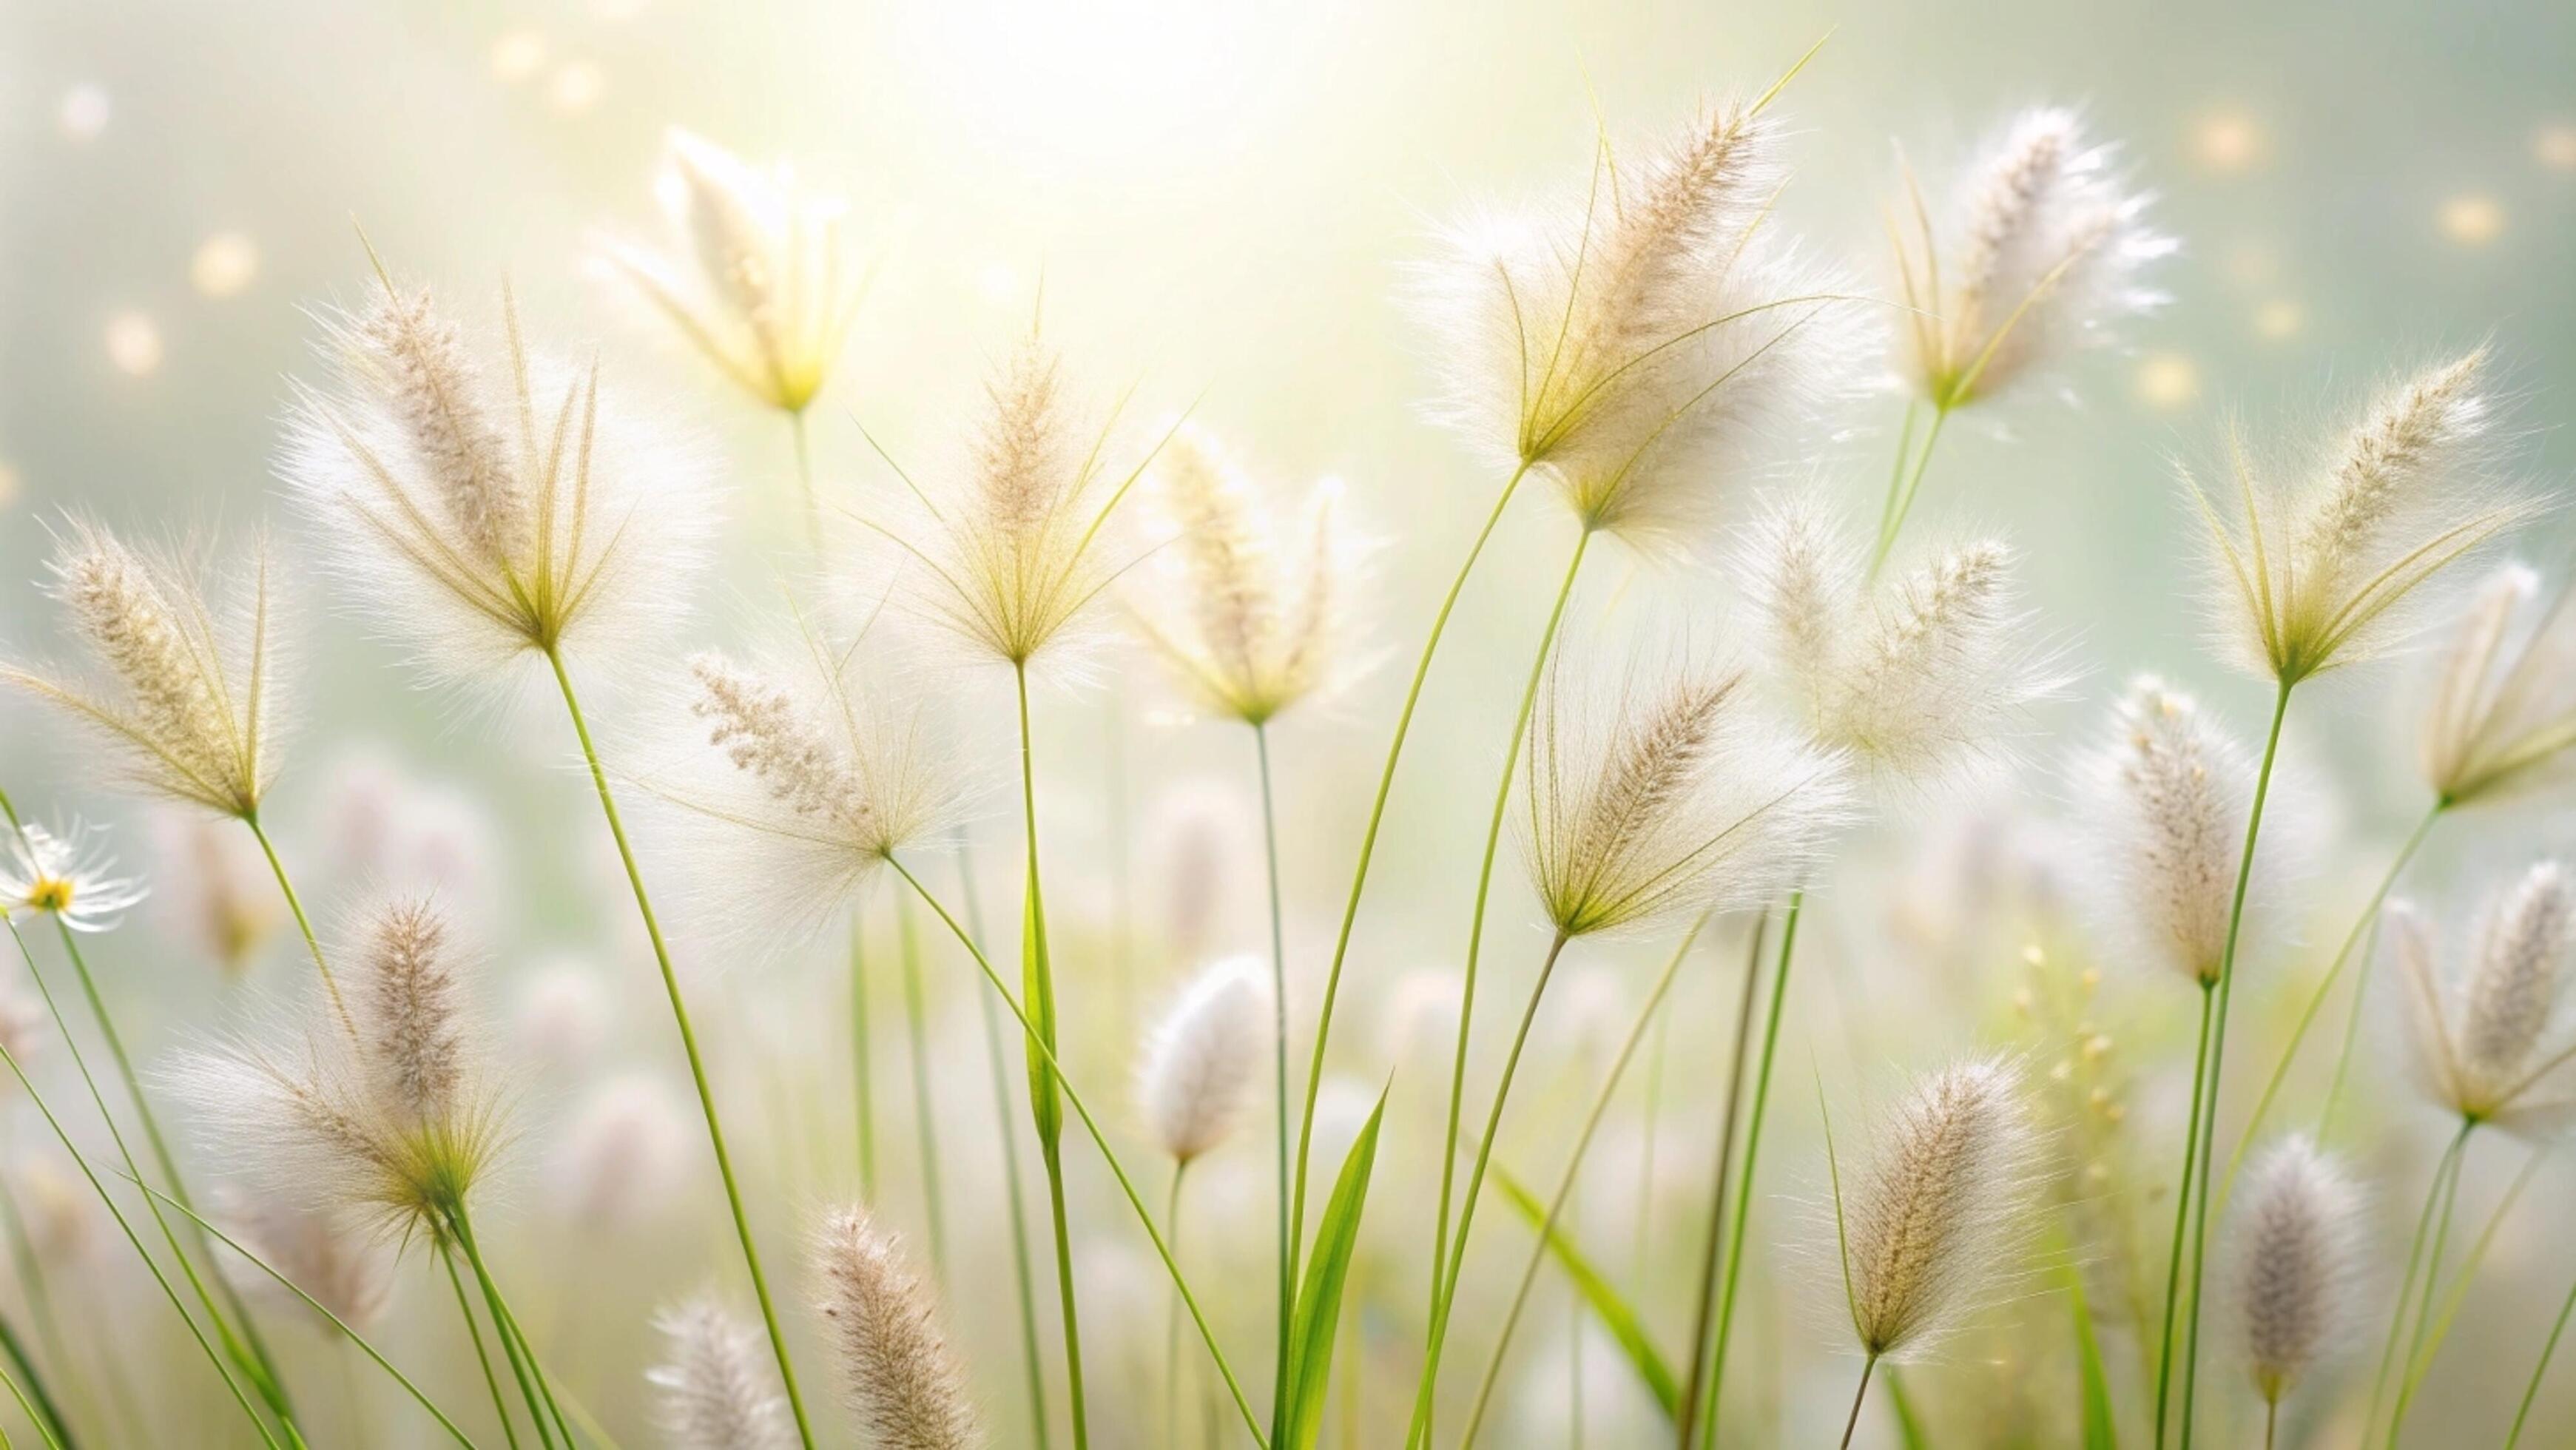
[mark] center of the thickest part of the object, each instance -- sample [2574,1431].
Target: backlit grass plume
[2298,1243]
[1645,346]
[1249,605]
[2487,1036]
[1203,1063]
[2501,714]
[185,667]
[68,877]
[718,1388]
[1921,677]
[1667,797]
[902,1379]
[485,505]
[2319,574]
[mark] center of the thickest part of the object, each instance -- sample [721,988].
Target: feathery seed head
[1201,1065]
[408,1005]
[2501,712]
[2297,1250]
[2043,254]
[896,1365]
[1250,608]
[1648,348]
[720,1388]
[1939,1212]
[2166,796]
[485,513]
[2323,575]
[760,278]
[68,877]
[2482,1038]
[188,661]
[1657,799]
[1920,680]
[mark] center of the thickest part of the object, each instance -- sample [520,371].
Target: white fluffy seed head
[1204,1058]
[1649,346]
[1649,797]
[718,1389]
[2499,714]
[485,505]
[902,1379]
[2165,797]
[2327,572]
[1938,1215]
[2043,253]
[2297,1251]
[1923,676]
[188,664]
[407,1000]
[2485,1039]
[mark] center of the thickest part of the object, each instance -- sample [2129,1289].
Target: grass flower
[2501,713]
[1201,1066]
[2321,575]
[186,667]
[718,1390]
[1678,801]
[903,1380]
[70,878]
[2484,1038]
[1647,347]
[1937,1217]
[485,508]
[2297,1251]
[1922,680]
[1250,608]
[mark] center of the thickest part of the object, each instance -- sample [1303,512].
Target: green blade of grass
[1319,1300]
[1616,1314]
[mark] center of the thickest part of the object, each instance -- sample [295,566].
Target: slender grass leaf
[2101,1425]
[1319,1299]
[1615,1312]
[1037,990]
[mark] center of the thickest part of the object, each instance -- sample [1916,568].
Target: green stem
[1475,950]
[1091,1126]
[2540,1371]
[514,1345]
[38,1405]
[2466,1279]
[1007,1136]
[1037,979]
[916,1015]
[2448,1165]
[2182,1209]
[1172,1316]
[1900,501]
[2361,984]
[1368,852]
[689,1045]
[862,1059]
[1425,1392]
[303,923]
[2317,1001]
[2417,1357]
[1288,1246]
[1703,1316]
[482,1356]
[2218,1054]
[40,1302]
[1752,1160]
[1649,1013]
[1859,1397]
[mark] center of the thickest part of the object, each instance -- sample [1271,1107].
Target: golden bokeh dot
[575,87]
[2167,380]
[85,111]
[2252,264]
[516,56]
[11,485]
[224,266]
[2228,141]
[2554,145]
[2279,318]
[2471,219]
[134,344]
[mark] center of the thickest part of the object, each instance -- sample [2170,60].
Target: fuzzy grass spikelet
[1669,797]
[486,509]
[187,664]
[2165,800]
[2297,1256]
[2486,1039]
[1202,1064]
[1938,1215]
[902,1379]
[2500,717]
[719,1388]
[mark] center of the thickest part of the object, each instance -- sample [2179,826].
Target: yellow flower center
[50,893]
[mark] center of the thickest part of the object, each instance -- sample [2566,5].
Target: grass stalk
[482,1354]
[2443,1172]
[1703,1314]
[2182,1210]
[862,1058]
[1734,1278]
[917,1024]
[1287,1246]
[1859,1398]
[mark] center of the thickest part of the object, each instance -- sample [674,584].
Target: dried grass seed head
[69,877]
[2043,253]
[187,665]
[901,1377]
[1647,797]
[1938,1216]
[485,505]
[1249,605]
[1651,346]
[1202,1064]
[719,1389]
[2325,573]
[2499,716]
[2490,1038]
[759,275]
[2297,1257]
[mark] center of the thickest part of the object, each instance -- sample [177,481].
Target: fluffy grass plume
[2499,717]
[2298,1244]
[2486,1036]
[1202,1066]
[902,1379]
[718,1388]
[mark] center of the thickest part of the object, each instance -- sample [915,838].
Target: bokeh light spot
[225,265]
[134,344]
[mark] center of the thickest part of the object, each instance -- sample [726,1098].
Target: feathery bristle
[1201,1066]
[408,998]
[2297,1239]
[1934,1219]
[436,395]
[2501,712]
[2482,1039]
[895,1362]
[2168,793]
[756,725]
[1679,800]
[720,1388]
